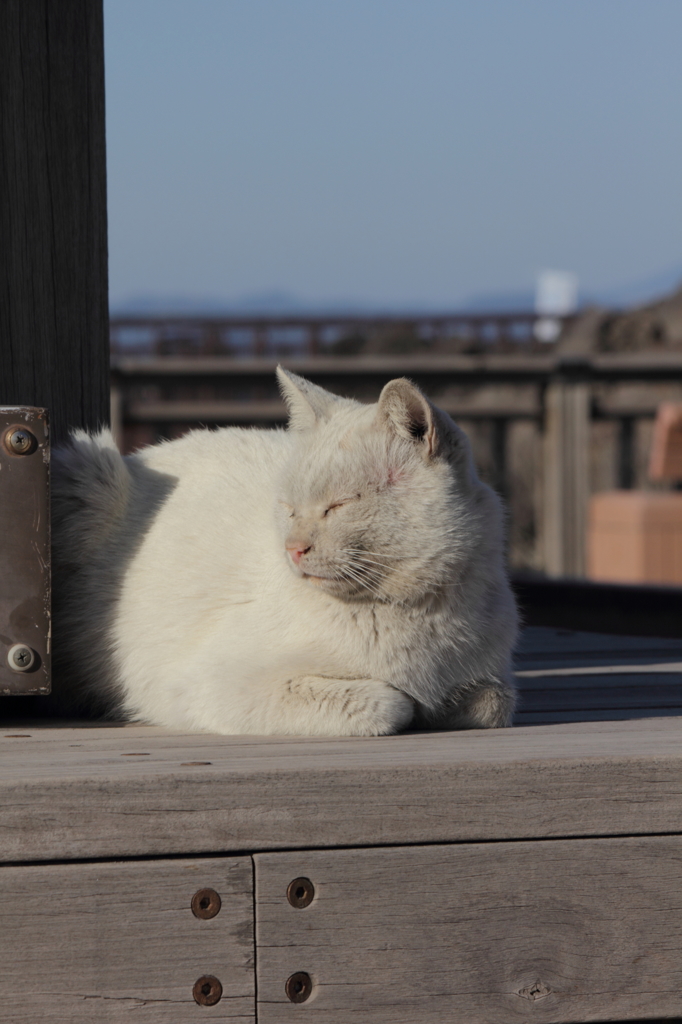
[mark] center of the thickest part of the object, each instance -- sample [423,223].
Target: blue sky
[394,153]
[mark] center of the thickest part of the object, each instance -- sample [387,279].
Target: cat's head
[377,501]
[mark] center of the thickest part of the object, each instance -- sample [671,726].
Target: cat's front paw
[380,709]
[317,706]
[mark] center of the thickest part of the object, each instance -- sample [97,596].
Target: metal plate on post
[24,551]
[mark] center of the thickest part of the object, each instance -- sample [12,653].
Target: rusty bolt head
[206,903]
[20,441]
[207,990]
[298,987]
[21,658]
[300,893]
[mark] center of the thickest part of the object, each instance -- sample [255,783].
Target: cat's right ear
[307,403]
[409,413]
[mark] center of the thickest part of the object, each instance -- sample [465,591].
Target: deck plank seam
[313,848]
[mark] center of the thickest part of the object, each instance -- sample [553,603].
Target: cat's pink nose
[297,551]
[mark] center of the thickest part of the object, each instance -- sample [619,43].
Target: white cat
[342,577]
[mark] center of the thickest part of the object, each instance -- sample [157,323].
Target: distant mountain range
[275,302]
[634,294]
[267,302]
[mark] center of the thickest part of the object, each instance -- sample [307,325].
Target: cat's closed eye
[339,504]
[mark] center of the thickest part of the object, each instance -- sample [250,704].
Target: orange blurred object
[665,462]
[635,537]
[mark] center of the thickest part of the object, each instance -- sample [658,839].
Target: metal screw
[20,441]
[207,990]
[300,893]
[298,987]
[21,658]
[206,903]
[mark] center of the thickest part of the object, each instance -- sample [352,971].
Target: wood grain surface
[108,792]
[610,765]
[580,930]
[547,926]
[571,676]
[83,943]
[53,276]
[546,648]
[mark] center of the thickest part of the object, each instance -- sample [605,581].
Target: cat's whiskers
[387,570]
[345,573]
[359,555]
[350,574]
[371,586]
[377,554]
[362,555]
[384,572]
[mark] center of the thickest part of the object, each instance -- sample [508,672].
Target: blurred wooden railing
[547,430]
[290,336]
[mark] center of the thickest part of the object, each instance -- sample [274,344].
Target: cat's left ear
[404,409]
[307,403]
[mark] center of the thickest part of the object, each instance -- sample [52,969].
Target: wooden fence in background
[547,430]
[308,334]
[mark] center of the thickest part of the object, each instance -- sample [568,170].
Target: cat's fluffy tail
[90,491]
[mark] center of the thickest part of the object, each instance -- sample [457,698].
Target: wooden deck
[527,874]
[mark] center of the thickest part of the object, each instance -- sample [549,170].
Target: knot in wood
[538,990]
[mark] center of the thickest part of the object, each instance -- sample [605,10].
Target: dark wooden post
[54,345]
[566,476]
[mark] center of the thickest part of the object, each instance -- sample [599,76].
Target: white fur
[177,603]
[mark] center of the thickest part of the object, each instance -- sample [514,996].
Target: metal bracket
[24,551]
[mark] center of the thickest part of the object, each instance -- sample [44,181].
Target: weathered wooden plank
[88,943]
[232,412]
[636,365]
[645,670]
[53,276]
[503,366]
[573,677]
[77,793]
[567,698]
[549,717]
[580,930]
[545,648]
